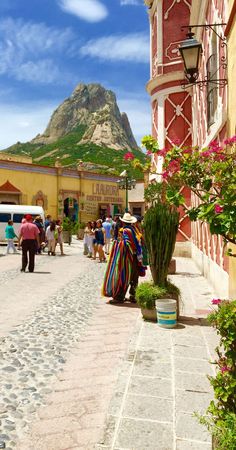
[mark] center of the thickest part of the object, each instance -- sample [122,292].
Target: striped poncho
[118,271]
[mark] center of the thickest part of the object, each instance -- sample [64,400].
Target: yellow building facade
[230,33]
[61,192]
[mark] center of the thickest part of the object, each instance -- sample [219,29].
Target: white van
[16,214]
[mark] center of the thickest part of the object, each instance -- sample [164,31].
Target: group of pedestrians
[33,237]
[97,238]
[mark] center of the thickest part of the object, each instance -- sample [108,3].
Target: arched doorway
[71,208]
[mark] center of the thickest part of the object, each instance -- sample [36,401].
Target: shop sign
[105,189]
[90,208]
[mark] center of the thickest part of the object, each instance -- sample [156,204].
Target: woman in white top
[50,235]
[59,236]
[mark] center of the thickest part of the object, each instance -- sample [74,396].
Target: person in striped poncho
[125,263]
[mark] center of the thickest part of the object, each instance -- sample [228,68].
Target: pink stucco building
[190,115]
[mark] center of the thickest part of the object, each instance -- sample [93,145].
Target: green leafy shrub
[161,223]
[147,293]
[220,417]
[209,172]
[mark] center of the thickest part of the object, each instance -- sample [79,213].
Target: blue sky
[47,47]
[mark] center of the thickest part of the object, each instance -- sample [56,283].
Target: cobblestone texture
[37,349]
[77,373]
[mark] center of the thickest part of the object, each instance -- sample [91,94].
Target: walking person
[88,240]
[125,263]
[38,221]
[59,239]
[51,234]
[99,241]
[29,236]
[10,235]
[47,221]
[107,226]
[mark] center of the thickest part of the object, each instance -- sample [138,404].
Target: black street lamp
[191,52]
[127,184]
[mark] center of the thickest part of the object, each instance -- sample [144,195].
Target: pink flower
[174,166]
[187,151]
[165,175]
[162,152]
[225,369]
[230,141]
[129,156]
[149,152]
[218,209]
[216,301]
[220,157]
[207,153]
[213,144]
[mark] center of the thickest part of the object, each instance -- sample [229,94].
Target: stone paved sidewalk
[162,381]
[124,384]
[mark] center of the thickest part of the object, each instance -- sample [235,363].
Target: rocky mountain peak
[94,107]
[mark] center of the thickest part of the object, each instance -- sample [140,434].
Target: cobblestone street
[78,373]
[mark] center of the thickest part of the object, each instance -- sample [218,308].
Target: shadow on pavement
[126,304]
[187,274]
[36,271]
[193,321]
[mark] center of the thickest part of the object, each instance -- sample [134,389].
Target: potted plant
[67,230]
[147,293]
[80,226]
[161,226]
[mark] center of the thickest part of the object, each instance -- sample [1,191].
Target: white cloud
[132,47]
[88,10]
[23,123]
[28,50]
[42,71]
[131,3]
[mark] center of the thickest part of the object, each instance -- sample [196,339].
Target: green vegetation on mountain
[68,151]
[89,127]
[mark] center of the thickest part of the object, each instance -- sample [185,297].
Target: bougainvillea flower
[218,209]
[213,144]
[165,175]
[187,151]
[230,141]
[162,152]
[216,301]
[225,369]
[129,156]
[206,154]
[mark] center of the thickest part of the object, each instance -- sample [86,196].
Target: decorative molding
[166,15]
[162,79]
[179,113]
[40,199]
[173,48]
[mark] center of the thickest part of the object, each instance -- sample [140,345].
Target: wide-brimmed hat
[127,218]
